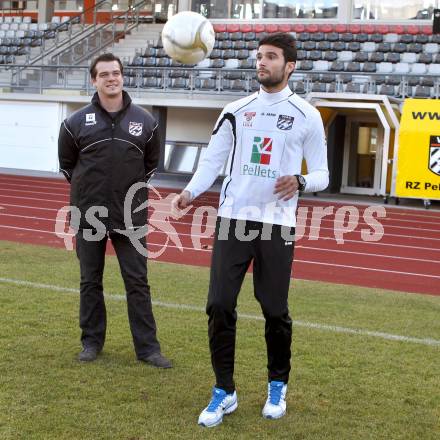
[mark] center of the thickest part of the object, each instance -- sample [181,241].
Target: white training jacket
[263,136]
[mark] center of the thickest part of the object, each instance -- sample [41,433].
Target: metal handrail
[135,9]
[61,28]
[61,75]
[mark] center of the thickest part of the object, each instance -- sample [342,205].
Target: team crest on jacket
[285,122]
[249,118]
[434,154]
[135,128]
[90,119]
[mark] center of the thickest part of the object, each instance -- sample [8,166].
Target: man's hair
[284,41]
[104,57]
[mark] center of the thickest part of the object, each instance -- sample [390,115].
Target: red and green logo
[261,150]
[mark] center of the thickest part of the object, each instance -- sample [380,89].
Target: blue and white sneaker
[220,404]
[275,406]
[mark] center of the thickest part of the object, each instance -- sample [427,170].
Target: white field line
[184,307]
[345,266]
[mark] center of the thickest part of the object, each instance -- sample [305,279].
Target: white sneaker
[275,406]
[220,404]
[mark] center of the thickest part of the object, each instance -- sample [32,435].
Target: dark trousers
[92,312]
[272,263]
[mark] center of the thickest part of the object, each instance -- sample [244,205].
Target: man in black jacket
[107,151]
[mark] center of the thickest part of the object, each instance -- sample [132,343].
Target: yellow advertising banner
[418,159]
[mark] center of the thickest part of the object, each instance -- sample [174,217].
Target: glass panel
[68,5]
[362,158]
[389,9]
[180,158]
[245,9]
[212,9]
[300,9]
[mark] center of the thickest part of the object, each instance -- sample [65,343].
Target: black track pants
[91,255]
[272,263]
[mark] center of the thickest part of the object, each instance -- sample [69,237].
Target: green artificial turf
[342,386]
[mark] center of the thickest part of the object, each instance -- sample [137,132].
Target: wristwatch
[301,182]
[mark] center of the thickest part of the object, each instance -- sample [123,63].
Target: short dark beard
[271,81]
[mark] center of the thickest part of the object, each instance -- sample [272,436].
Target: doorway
[362,160]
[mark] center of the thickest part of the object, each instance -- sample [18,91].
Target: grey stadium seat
[377,57]
[399,47]
[354,46]
[238,45]
[323,45]
[353,67]
[392,57]
[361,57]
[218,63]
[309,45]
[339,46]
[369,67]
[376,38]
[386,89]
[406,38]
[384,47]
[332,36]
[315,55]
[353,88]
[422,38]
[330,55]
[317,36]
[306,65]
[361,38]
[422,92]
[319,87]
[415,47]
[337,66]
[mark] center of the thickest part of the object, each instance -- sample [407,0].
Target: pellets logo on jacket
[261,150]
[135,128]
[285,122]
[434,154]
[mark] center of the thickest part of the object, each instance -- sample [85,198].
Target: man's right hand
[180,202]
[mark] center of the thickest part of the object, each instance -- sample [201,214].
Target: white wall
[29,135]
[191,125]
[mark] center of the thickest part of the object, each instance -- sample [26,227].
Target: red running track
[404,254]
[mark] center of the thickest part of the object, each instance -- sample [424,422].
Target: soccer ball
[188,37]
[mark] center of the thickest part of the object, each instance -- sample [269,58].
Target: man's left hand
[286,187]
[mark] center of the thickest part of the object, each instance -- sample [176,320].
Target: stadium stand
[395,61]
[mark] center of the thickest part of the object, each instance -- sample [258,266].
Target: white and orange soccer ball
[188,37]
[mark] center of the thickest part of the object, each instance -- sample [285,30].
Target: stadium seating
[384,56]
[18,35]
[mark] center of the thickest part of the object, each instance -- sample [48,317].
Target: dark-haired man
[264,137]
[104,150]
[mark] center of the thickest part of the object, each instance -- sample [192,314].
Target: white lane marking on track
[300,217]
[158,202]
[296,260]
[311,325]
[319,249]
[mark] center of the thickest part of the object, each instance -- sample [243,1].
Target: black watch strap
[301,182]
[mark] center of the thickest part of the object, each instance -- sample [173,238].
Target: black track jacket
[102,156]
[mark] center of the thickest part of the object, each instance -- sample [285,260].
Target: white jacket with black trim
[263,136]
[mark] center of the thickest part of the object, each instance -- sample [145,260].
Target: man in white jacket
[265,138]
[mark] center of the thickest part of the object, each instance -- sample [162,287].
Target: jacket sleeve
[315,154]
[152,152]
[216,154]
[67,151]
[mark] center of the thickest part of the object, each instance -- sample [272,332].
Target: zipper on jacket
[113,129]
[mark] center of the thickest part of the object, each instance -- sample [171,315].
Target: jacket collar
[126,101]
[271,98]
